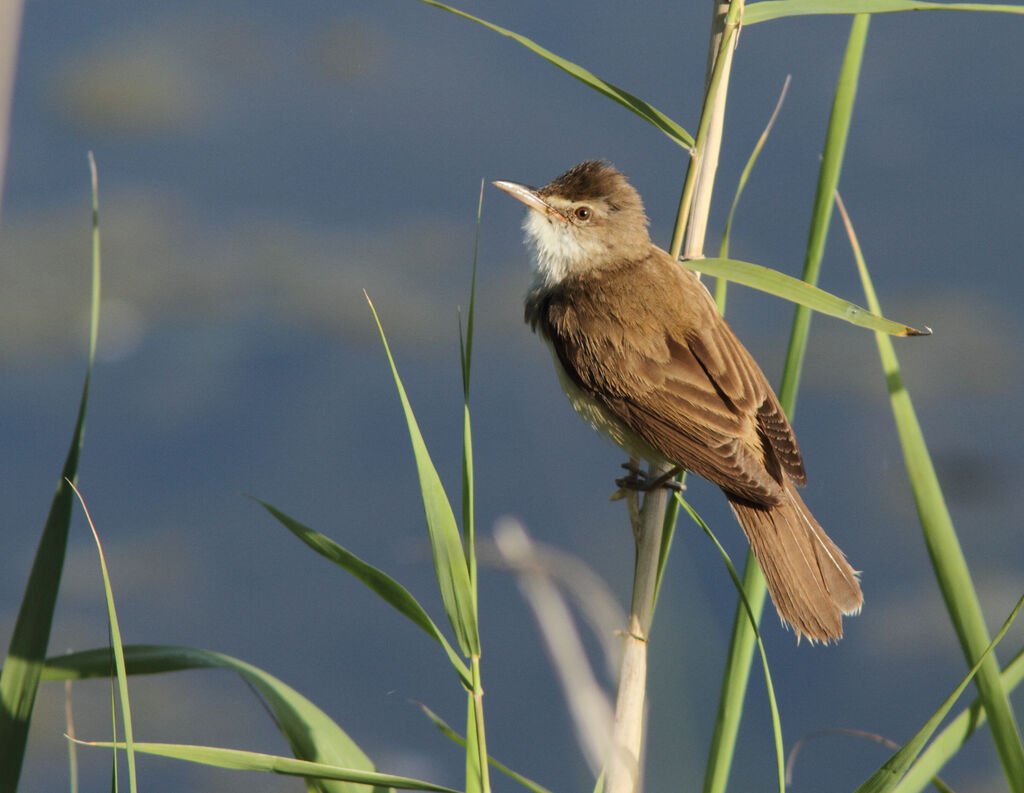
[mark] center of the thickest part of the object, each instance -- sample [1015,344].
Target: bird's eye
[583,213]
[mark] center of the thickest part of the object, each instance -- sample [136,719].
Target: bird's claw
[640,481]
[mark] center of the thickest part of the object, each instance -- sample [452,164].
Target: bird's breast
[600,418]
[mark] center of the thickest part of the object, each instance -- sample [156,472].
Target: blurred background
[261,164]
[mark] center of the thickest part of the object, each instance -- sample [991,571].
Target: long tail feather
[810,581]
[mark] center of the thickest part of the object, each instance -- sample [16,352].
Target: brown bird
[645,357]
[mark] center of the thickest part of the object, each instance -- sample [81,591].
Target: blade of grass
[948,742]
[19,678]
[240,760]
[472,754]
[925,769]
[477,771]
[478,775]
[389,590]
[69,730]
[947,558]
[448,732]
[884,780]
[632,103]
[668,533]
[466,357]
[117,647]
[863,735]
[445,541]
[723,248]
[741,646]
[752,622]
[828,180]
[777,9]
[748,611]
[805,295]
[735,678]
[311,733]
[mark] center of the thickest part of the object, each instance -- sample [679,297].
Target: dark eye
[583,213]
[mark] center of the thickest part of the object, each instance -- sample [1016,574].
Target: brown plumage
[645,357]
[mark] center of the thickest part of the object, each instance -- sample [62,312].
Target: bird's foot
[638,480]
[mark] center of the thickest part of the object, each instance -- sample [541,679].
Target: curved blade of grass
[802,293]
[741,646]
[845,732]
[736,677]
[668,533]
[805,295]
[723,248]
[948,742]
[947,558]
[19,678]
[240,760]
[311,733]
[650,114]
[447,731]
[752,622]
[749,609]
[445,541]
[889,774]
[776,9]
[118,650]
[389,590]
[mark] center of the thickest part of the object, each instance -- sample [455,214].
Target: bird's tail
[810,580]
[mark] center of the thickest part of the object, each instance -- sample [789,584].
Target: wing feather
[674,374]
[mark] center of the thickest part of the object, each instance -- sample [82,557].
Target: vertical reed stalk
[623,770]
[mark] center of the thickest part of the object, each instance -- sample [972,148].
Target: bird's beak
[531,198]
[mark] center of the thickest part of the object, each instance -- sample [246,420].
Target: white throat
[559,248]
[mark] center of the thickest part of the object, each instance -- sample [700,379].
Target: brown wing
[674,374]
[735,372]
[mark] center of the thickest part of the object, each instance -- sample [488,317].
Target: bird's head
[589,217]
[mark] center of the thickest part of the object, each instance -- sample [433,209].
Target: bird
[645,357]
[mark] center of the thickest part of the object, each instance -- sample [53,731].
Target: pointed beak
[531,198]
